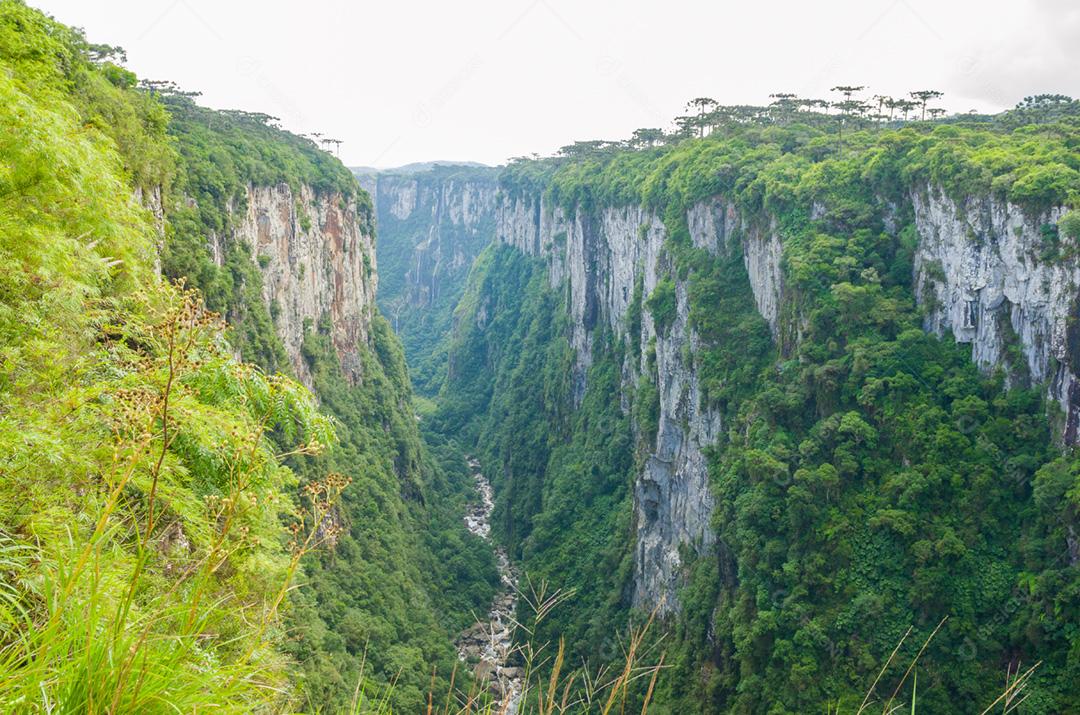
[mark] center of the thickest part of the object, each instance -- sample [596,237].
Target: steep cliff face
[987,273]
[602,259]
[431,226]
[445,221]
[981,273]
[317,259]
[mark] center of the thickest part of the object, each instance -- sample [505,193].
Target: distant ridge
[415,167]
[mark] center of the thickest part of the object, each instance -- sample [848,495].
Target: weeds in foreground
[148,574]
[547,686]
[1010,699]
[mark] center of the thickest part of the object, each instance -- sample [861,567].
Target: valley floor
[488,645]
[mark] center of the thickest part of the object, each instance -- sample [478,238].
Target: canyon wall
[980,272]
[437,224]
[602,258]
[432,224]
[993,277]
[316,254]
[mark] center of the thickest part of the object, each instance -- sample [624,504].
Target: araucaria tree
[924,96]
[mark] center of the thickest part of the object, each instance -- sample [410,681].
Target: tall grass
[148,575]
[551,688]
[550,685]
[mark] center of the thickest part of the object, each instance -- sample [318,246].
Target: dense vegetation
[870,478]
[419,299]
[147,476]
[141,496]
[404,575]
[180,528]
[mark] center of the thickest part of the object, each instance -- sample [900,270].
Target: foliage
[425,257]
[146,474]
[140,495]
[773,167]
[662,304]
[869,478]
[404,575]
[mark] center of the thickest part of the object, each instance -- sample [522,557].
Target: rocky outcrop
[986,272]
[317,262]
[601,258]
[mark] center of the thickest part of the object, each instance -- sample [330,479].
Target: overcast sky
[484,80]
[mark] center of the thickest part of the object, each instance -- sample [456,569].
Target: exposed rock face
[317,261]
[151,199]
[981,273]
[601,258]
[445,221]
[978,270]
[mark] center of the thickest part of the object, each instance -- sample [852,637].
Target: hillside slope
[796,396]
[175,466]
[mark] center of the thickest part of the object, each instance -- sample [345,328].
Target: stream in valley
[487,645]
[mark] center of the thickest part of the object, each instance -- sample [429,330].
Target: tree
[905,106]
[166,88]
[646,137]
[847,108]
[685,126]
[240,115]
[586,148]
[1046,107]
[1044,100]
[785,104]
[923,96]
[703,105]
[815,104]
[882,102]
[848,90]
[100,54]
[336,143]
[721,116]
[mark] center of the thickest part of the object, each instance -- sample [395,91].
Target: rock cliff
[981,273]
[432,223]
[317,258]
[989,274]
[602,258]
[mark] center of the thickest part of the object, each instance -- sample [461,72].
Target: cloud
[1037,55]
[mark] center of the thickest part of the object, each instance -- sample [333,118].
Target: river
[488,644]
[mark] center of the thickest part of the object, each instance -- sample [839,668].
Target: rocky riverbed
[487,645]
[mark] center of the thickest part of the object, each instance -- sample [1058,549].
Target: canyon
[973,263]
[722,419]
[488,644]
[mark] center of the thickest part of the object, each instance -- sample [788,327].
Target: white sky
[485,80]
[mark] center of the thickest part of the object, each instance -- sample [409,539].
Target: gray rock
[327,269]
[980,275]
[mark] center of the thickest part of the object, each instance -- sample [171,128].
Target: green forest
[180,529]
[196,516]
[870,478]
